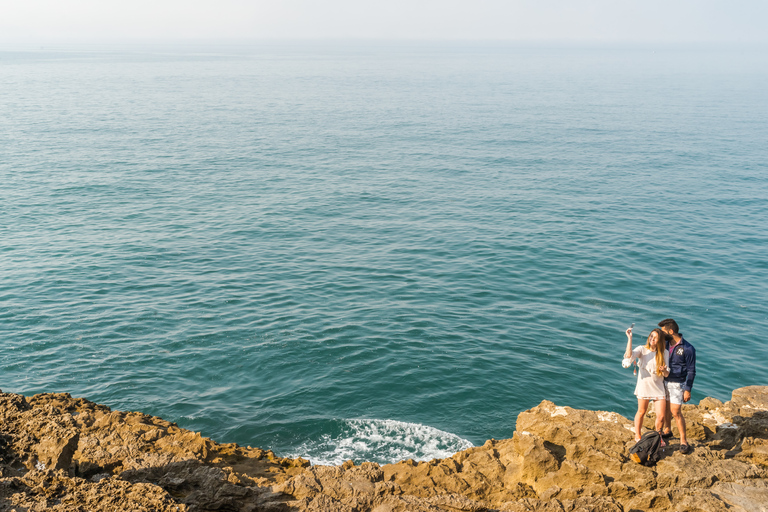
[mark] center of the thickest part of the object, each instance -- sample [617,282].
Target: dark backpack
[647,450]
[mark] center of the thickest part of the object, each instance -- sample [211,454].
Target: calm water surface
[376,251]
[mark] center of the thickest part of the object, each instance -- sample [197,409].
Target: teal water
[380,251]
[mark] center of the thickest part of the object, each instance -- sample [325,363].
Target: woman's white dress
[649,385]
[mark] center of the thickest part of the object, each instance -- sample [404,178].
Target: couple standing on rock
[667,364]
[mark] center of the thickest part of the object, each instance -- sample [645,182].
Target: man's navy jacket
[682,364]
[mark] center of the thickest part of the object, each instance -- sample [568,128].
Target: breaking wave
[382,441]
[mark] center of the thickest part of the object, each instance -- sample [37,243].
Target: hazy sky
[517,20]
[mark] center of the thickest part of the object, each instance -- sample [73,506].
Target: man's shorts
[674,392]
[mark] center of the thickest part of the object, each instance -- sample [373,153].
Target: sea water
[376,251]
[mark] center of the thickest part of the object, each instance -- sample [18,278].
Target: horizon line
[404,40]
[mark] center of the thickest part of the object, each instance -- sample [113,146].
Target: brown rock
[61,453]
[743,495]
[750,397]
[56,448]
[753,450]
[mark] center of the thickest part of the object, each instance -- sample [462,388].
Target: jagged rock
[62,453]
[743,495]
[753,450]
[50,490]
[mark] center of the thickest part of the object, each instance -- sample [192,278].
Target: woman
[653,362]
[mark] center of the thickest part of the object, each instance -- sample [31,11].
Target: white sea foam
[382,441]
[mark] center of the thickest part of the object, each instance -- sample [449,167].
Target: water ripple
[256,246]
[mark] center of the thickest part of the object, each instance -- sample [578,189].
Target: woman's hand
[629,333]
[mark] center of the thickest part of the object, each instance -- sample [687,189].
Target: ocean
[371,250]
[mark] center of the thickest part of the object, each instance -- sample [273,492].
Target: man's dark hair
[670,324]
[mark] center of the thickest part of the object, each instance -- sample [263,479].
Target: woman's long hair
[661,345]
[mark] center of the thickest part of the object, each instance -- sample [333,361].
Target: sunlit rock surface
[62,453]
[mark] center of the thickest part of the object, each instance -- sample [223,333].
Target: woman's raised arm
[628,352]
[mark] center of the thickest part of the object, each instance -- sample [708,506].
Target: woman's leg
[642,408]
[667,415]
[661,411]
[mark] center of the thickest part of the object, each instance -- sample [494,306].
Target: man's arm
[690,364]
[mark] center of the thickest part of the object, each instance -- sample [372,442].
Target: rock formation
[65,454]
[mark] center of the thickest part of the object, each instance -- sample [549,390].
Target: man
[682,370]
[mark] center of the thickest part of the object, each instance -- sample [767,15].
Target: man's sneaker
[684,448]
[666,435]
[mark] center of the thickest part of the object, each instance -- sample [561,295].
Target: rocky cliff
[62,453]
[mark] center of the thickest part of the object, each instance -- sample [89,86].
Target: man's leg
[677,413]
